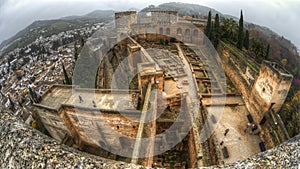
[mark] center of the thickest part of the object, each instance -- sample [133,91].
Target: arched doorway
[179,31]
[168,32]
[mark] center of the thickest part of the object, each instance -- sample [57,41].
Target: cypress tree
[246,40]
[67,80]
[217,30]
[75,51]
[82,42]
[208,26]
[212,34]
[241,32]
[267,52]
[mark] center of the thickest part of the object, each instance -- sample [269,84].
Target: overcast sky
[282,16]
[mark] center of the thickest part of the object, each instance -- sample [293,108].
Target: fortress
[161,22]
[170,73]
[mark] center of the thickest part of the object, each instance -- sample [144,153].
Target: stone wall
[53,123]
[124,20]
[158,17]
[160,23]
[263,88]
[237,70]
[270,89]
[185,32]
[24,147]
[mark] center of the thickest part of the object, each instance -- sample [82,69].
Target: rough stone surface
[24,147]
[286,155]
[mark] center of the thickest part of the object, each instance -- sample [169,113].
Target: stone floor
[240,144]
[56,96]
[90,98]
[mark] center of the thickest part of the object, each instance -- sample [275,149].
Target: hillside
[183,9]
[280,48]
[92,15]
[50,27]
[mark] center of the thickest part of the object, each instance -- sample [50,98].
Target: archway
[179,31]
[168,32]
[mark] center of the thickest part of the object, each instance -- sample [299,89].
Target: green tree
[217,31]
[82,42]
[67,80]
[246,40]
[290,113]
[258,49]
[241,32]
[267,52]
[75,51]
[284,62]
[229,29]
[208,26]
[212,35]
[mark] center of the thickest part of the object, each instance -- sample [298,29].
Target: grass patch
[240,56]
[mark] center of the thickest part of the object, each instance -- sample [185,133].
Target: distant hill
[95,14]
[50,27]
[281,48]
[183,9]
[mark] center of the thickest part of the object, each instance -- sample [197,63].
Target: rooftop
[278,68]
[59,95]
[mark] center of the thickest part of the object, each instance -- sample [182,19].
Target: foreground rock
[286,155]
[24,147]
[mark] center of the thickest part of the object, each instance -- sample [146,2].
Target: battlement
[119,14]
[277,69]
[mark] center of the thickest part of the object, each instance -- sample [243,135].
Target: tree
[82,42]
[267,52]
[75,51]
[241,32]
[284,62]
[246,40]
[212,35]
[290,113]
[217,31]
[229,29]
[258,49]
[208,26]
[67,79]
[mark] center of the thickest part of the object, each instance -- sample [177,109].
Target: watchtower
[270,89]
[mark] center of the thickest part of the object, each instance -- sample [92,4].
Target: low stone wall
[24,147]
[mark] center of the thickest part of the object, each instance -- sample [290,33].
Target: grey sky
[283,17]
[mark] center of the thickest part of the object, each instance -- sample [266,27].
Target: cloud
[281,16]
